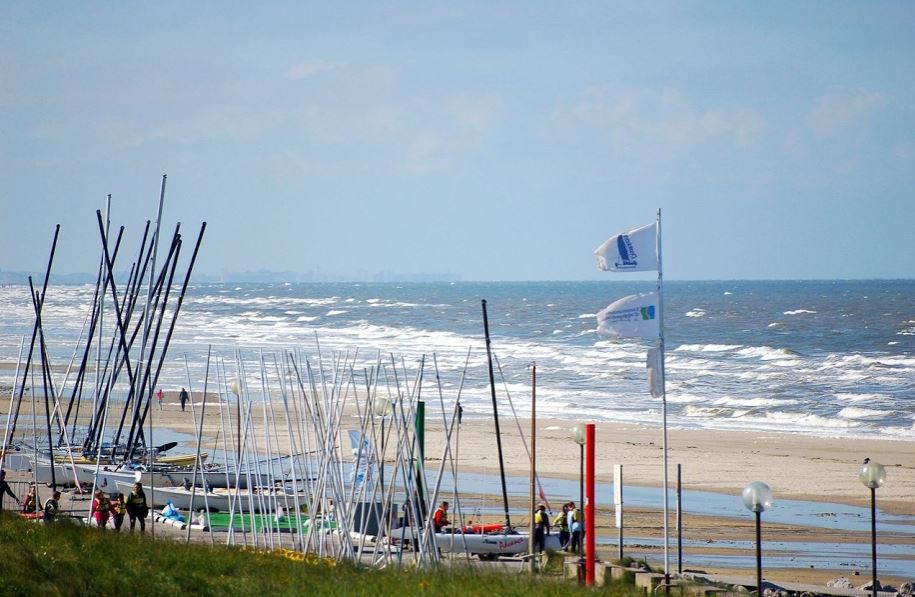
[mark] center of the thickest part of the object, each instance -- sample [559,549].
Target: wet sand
[795,466]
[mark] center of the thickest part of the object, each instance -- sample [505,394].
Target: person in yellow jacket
[137,508]
[541,528]
[562,521]
[118,510]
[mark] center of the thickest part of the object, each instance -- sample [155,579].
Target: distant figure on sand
[137,509]
[159,396]
[101,508]
[183,398]
[5,488]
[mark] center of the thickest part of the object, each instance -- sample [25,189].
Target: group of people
[133,506]
[182,398]
[570,522]
[31,506]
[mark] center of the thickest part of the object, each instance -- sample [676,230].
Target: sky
[488,140]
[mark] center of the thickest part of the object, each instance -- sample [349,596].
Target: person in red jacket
[101,508]
[440,518]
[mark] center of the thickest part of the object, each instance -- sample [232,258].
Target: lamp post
[757,496]
[578,436]
[873,475]
[382,408]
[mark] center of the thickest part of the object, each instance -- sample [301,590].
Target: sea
[831,357]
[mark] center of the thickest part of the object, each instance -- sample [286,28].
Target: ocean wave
[336,312]
[736,401]
[799,312]
[765,353]
[696,313]
[587,316]
[852,397]
[853,412]
[707,347]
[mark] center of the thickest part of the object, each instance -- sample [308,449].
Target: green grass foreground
[67,559]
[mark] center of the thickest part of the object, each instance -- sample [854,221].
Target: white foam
[765,353]
[774,324]
[305,318]
[853,412]
[852,397]
[799,312]
[707,347]
[336,312]
[696,313]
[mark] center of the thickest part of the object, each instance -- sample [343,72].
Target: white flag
[634,316]
[633,251]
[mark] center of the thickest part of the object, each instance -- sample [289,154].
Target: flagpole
[663,400]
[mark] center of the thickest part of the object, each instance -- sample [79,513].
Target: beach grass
[70,559]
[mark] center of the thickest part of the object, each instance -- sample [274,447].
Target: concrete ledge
[622,573]
[570,568]
[648,581]
[704,590]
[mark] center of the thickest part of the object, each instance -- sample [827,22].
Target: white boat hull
[219,500]
[498,544]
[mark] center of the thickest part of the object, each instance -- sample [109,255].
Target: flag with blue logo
[633,316]
[635,250]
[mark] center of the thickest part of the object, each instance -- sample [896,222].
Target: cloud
[475,113]
[222,122]
[425,153]
[309,68]
[842,108]
[660,116]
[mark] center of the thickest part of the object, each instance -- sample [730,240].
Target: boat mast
[495,413]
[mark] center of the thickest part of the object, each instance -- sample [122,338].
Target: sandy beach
[795,466]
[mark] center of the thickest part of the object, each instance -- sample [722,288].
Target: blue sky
[493,140]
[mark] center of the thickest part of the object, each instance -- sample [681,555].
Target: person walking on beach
[52,507]
[541,528]
[100,509]
[118,510]
[159,397]
[440,517]
[5,489]
[137,509]
[562,521]
[183,398]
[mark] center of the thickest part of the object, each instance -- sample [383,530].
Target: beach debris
[840,583]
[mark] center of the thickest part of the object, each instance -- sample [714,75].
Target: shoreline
[796,467]
[812,468]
